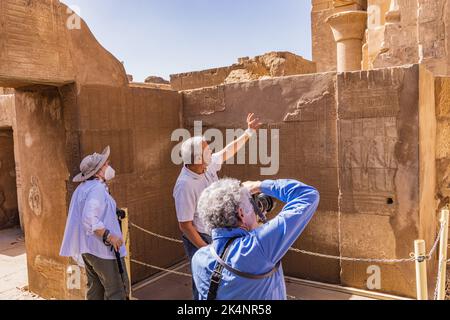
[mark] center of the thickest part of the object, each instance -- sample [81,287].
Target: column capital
[348,25]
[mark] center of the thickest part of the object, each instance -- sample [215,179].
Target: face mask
[207,157]
[110,173]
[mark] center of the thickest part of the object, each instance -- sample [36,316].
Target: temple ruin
[366,122]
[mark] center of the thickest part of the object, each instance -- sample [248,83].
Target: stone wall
[58,47]
[442,143]
[137,124]
[273,64]
[434,32]
[41,140]
[355,136]
[323,44]
[400,37]
[415,31]
[56,129]
[362,138]
[6,110]
[376,20]
[9,214]
[58,122]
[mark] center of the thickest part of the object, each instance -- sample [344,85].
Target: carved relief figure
[35,197]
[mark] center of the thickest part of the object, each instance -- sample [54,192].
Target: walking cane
[120,216]
[121,271]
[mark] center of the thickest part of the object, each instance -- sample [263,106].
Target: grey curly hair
[219,203]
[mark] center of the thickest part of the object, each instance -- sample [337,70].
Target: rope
[433,249]
[327,256]
[161,269]
[439,273]
[155,234]
[315,254]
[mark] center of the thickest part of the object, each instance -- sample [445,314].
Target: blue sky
[163,37]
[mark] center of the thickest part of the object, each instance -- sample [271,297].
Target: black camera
[262,204]
[121,214]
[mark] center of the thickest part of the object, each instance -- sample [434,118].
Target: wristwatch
[105,237]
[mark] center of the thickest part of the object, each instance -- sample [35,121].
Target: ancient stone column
[348,29]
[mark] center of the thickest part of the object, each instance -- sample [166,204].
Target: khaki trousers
[104,280]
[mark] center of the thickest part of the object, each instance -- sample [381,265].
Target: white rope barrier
[368,260]
[161,269]
[155,234]
[321,255]
[436,288]
[412,257]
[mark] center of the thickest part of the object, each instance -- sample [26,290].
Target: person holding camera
[93,237]
[244,260]
[200,171]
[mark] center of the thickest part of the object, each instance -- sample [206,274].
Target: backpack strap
[241,273]
[216,276]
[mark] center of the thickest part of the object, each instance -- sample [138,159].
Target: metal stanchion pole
[443,244]
[421,270]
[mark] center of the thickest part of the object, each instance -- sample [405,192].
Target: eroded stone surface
[273,64]
[442,142]
[358,144]
[157,80]
[9,214]
[357,137]
[379,166]
[43,49]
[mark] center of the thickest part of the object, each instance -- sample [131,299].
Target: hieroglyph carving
[35,197]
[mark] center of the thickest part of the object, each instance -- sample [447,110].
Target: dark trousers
[104,280]
[190,250]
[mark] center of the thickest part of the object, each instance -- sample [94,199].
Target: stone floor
[167,286]
[13,266]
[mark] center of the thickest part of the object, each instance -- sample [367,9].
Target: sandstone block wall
[323,44]
[371,142]
[355,136]
[6,110]
[9,214]
[304,110]
[434,32]
[9,211]
[442,143]
[39,48]
[56,124]
[415,32]
[55,131]
[273,64]
[41,139]
[137,125]
[376,20]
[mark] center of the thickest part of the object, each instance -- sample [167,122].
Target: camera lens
[264,202]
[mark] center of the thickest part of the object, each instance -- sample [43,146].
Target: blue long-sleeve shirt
[258,251]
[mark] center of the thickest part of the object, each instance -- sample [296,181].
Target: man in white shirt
[199,172]
[93,235]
